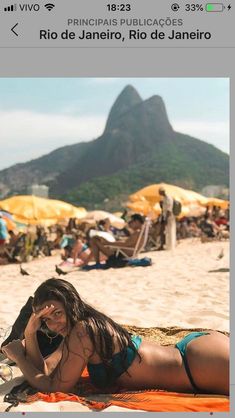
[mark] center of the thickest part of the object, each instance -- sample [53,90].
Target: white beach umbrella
[98,215]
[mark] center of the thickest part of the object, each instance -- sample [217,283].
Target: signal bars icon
[11,8]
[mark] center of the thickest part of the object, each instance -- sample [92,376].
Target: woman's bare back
[160,367]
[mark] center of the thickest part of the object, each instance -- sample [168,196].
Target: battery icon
[215,7]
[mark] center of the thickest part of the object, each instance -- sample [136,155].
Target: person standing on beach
[169,219]
[3,231]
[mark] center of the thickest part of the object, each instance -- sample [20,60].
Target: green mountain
[138,147]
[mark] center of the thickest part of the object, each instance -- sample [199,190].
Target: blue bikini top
[102,376]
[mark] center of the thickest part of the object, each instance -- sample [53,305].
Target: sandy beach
[187,288]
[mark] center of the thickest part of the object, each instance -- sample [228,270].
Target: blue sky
[38,115]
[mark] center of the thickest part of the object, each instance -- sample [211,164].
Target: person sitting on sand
[103,230]
[222,221]
[66,244]
[193,228]
[105,225]
[209,227]
[55,244]
[3,231]
[101,245]
[199,363]
[80,251]
[11,247]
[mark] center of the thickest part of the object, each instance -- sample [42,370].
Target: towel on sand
[146,400]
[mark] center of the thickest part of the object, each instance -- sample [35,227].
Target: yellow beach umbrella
[35,210]
[195,198]
[78,212]
[191,210]
[143,207]
[118,214]
[151,194]
[214,201]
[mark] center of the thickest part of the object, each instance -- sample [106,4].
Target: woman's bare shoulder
[79,335]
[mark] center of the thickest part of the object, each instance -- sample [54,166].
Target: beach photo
[114,244]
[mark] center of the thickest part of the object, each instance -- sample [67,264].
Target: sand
[186,288]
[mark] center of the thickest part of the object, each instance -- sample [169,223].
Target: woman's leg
[77,250]
[208,360]
[97,245]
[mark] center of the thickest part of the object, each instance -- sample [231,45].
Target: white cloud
[26,134]
[216,133]
[39,126]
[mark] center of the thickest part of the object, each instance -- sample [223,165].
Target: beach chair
[154,239]
[22,249]
[14,249]
[140,243]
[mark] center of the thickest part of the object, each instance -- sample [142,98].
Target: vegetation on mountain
[184,167]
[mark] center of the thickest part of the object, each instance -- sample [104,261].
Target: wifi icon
[49,6]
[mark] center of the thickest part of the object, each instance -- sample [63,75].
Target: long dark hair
[101,329]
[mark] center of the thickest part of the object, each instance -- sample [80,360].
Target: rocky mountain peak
[128,98]
[156,109]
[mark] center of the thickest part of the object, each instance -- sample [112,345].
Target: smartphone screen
[115,136]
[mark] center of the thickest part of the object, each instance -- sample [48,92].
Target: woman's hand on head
[14,350]
[35,321]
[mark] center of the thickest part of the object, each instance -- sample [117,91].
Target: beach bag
[18,394]
[140,262]
[177,207]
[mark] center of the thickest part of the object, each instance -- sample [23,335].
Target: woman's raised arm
[76,353]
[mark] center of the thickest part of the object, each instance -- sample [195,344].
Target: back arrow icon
[12,29]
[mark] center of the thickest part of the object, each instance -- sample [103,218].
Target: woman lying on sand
[197,364]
